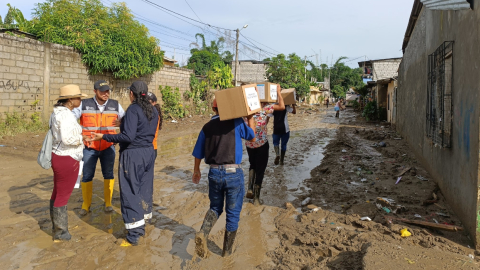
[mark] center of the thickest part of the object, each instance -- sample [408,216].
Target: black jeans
[258,158]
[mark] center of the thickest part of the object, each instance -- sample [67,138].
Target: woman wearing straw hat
[67,152]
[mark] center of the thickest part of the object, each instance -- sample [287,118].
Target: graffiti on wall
[11,85]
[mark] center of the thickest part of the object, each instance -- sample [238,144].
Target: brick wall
[385,69]
[32,72]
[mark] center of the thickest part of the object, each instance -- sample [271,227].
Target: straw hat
[70,91]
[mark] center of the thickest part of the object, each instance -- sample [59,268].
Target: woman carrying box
[258,150]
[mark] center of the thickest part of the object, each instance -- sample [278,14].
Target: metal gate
[439,95]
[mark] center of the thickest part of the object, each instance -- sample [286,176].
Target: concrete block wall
[32,72]
[385,69]
[250,72]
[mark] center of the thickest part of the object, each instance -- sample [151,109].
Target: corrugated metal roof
[446,4]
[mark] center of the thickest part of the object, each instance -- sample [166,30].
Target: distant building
[250,71]
[383,74]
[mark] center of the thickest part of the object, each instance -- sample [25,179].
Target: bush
[172,105]
[15,123]
[355,105]
[370,111]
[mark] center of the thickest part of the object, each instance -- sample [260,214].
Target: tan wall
[390,104]
[31,72]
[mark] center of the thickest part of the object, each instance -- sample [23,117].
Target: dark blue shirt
[135,130]
[220,142]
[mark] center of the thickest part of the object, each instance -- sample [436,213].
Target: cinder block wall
[32,72]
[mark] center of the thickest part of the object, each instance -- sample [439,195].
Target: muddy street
[327,160]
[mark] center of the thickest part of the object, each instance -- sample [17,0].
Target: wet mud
[270,236]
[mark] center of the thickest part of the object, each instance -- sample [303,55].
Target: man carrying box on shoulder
[220,144]
[98,114]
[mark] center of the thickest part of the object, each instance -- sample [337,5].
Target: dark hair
[140,90]
[160,115]
[61,102]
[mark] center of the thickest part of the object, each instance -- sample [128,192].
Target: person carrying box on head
[220,144]
[98,114]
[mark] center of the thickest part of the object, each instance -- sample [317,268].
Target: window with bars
[439,95]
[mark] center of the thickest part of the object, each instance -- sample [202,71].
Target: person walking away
[220,144]
[98,114]
[136,163]
[281,132]
[258,150]
[67,152]
[326,101]
[338,107]
[153,100]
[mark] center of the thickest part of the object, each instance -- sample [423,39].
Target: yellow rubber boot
[107,193]
[87,189]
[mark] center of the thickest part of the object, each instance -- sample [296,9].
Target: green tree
[205,58]
[343,77]
[15,19]
[108,37]
[289,72]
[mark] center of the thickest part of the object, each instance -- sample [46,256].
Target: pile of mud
[325,240]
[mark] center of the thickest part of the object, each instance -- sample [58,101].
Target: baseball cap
[151,96]
[139,87]
[101,85]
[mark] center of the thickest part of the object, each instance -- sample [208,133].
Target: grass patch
[15,123]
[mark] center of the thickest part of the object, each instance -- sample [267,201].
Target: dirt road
[269,237]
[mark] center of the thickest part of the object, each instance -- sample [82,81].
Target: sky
[321,30]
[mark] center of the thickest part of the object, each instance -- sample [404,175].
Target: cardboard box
[237,102]
[289,96]
[267,92]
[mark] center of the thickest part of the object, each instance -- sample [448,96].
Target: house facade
[438,100]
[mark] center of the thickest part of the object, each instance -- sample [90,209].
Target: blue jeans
[90,158]
[284,137]
[228,188]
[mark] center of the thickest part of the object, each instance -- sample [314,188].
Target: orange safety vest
[156,136]
[92,120]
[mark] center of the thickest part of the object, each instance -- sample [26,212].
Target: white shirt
[78,111]
[67,134]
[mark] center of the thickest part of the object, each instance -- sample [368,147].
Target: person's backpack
[44,158]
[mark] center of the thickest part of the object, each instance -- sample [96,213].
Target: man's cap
[214,104]
[139,88]
[101,85]
[151,96]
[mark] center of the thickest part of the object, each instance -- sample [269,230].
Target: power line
[193,10]
[151,3]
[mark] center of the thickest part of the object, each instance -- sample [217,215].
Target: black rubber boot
[228,243]
[282,157]
[251,180]
[256,194]
[277,157]
[60,223]
[51,214]
[201,237]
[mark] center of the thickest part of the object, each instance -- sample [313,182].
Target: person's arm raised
[281,105]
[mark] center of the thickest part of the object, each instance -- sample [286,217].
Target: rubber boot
[277,157]
[256,194]
[51,214]
[251,180]
[282,157]
[60,223]
[87,190]
[107,193]
[228,243]
[201,237]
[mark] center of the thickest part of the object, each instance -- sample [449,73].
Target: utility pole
[236,56]
[174,53]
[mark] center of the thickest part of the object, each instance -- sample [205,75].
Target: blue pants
[135,177]
[284,137]
[226,188]
[90,158]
